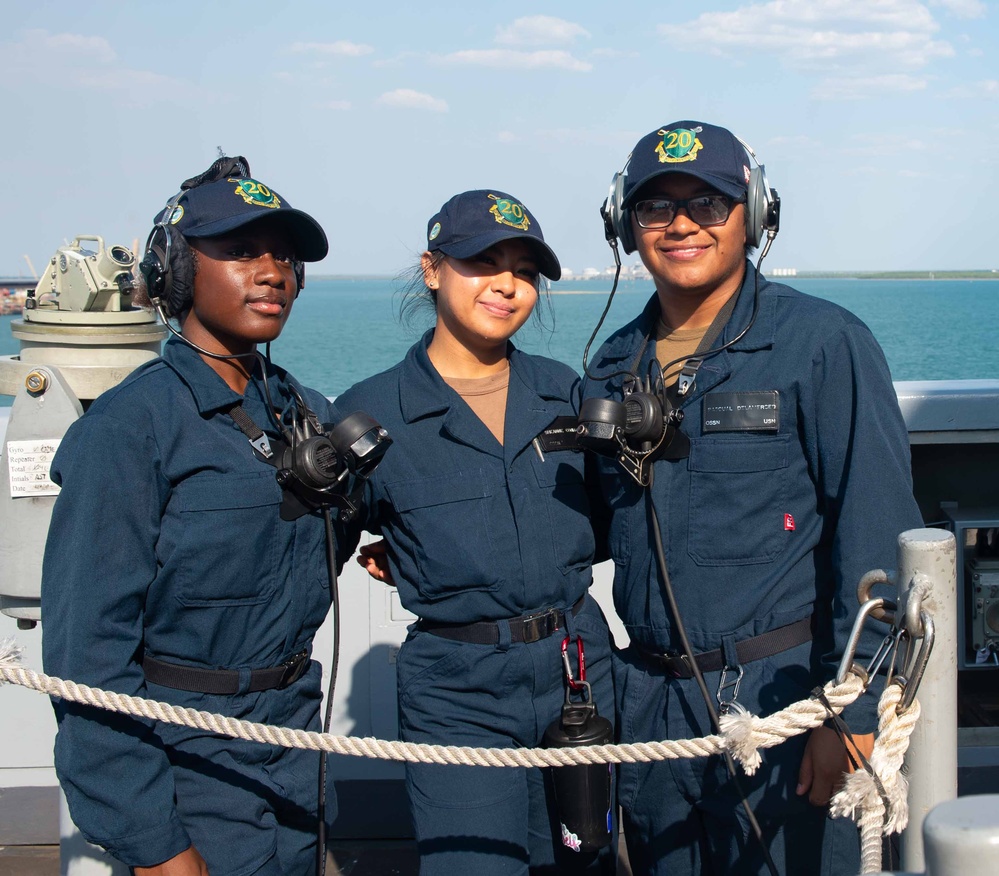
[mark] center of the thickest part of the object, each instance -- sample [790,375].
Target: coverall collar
[423,393]
[210,392]
[621,350]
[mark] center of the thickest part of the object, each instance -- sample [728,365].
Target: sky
[877,121]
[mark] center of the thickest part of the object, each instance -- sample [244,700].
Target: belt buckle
[540,626]
[294,668]
[677,664]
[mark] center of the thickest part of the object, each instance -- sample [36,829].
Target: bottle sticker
[28,466]
[570,840]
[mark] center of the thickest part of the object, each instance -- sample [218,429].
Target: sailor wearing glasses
[788,478]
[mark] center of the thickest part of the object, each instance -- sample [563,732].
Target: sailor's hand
[187,863]
[825,763]
[373,558]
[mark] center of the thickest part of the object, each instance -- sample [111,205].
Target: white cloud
[337,104]
[513,60]
[861,87]
[612,54]
[987,89]
[70,60]
[877,144]
[406,98]
[540,30]
[70,45]
[962,8]
[813,33]
[508,137]
[797,141]
[340,47]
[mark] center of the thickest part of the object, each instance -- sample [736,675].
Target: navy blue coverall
[479,531]
[166,541]
[761,528]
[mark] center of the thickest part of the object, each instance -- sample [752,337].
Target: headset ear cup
[756,207]
[299,277]
[156,276]
[616,218]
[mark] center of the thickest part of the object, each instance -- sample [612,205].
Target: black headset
[155,265]
[762,207]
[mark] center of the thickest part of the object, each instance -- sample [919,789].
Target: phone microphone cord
[335,605]
[699,678]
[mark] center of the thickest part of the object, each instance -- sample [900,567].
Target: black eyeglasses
[702,209]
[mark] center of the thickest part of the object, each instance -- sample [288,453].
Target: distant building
[782,272]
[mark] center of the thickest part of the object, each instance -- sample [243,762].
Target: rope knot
[738,729]
[10,655]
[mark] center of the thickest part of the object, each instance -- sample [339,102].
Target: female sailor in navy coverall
[486,522]
[169,571]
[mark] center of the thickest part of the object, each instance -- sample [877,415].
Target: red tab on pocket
[788,523]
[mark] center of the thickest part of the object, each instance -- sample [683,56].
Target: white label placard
[28,465]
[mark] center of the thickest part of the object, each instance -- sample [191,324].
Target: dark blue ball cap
[712,154]
[216,208]
[474,221]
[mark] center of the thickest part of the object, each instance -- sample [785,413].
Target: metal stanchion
[927,579]
[960,838]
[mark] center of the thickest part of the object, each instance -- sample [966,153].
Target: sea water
[343,330]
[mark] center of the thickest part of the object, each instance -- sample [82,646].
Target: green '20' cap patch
[256,193]
[678,145]
[509,212]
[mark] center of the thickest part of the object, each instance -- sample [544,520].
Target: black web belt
[764,645]
[529,628]
[224,681]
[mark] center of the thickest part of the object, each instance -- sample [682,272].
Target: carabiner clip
[724,684]
[878,604]
[910,684]
[888,648]
[574,683]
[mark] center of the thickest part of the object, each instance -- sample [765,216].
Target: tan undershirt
[673,344]
[486,396]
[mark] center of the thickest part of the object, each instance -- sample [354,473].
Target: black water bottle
[582,793]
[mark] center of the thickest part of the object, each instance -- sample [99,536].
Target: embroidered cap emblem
[176,215]
[508,212]
[256,193]
[679,145]
[436,230]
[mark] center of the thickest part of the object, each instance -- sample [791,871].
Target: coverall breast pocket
[449,523]
[738,490]
[228,552]
[560,478]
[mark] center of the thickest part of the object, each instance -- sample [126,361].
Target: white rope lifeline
[742,734]
[862,799]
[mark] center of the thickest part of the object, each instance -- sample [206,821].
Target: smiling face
[482,301]
[687,260]
[244,288]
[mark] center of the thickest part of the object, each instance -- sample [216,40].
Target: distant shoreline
[800,275]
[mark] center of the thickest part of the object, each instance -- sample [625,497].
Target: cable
[335,605]
[699,356]
[163,317]
[699,678]
[603,316]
